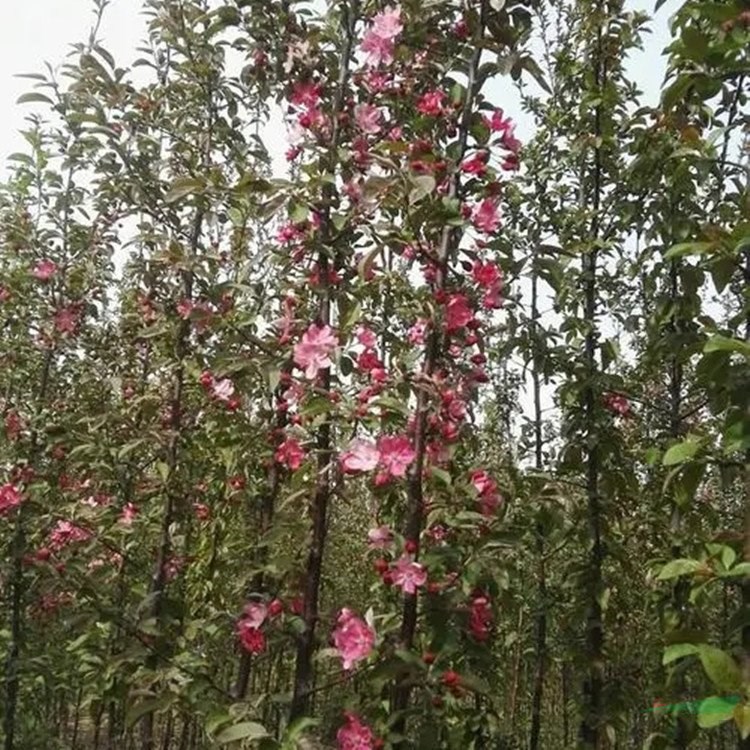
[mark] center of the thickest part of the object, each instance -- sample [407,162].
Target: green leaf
[714,711]
[297,728]
[442,475]
[720,343]
[678,651]
[743,569]
[146,707]
[34,97]
[742,719]
[423,186]
[681,452]
[182,187]
[299,213]
[720,667]
[676,568]
[248,730]
[688,248]
[477,684]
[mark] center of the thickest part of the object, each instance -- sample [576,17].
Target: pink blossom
[313,352]
[223,389]
[361,455]
[416,334]
[66,533]
[353,190]
[306,94]
[10,497]
[486,274]
[368,361]
[44,270]
[378,51]
[408,574]
[366,337]
[184,308]
[378,43]
[377,81]
[431,103]
[499,123]
[482,481]
[617,404]
[67,319]
[312,119]
[353,638]
[492,299]
[290,453]
[368,118]
[255,614]
[480,618]
[486,216]
[510,141]
[396,453]
[355,735]
[458,313]
[252,639]
[380,537]
[477,164]
[129,514]
[387,24]
[202,511]
[486,486]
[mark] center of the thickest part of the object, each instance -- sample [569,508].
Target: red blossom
[431,103]
[290,453]
[10,498]
[355,735]
[353,638]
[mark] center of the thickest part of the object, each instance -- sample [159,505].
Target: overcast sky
[33,32]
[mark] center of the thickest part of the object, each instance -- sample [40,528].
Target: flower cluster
[353,638]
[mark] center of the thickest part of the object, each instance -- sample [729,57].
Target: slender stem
[450,240]
[592,720]
[541,617]
[303,674]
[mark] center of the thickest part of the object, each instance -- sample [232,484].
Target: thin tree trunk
[565,675]
[171,491]
[166,742]
[306,644]
[18,547]
[76,720]
[540,641]
[592,720]
[516,677]
[681,588]
[745,744]
[268,503]
[268,506]
[413,528]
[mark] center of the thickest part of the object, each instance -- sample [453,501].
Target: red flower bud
[451,679]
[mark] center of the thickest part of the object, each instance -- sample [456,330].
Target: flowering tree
[269,298]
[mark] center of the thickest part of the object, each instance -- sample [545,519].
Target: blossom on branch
[353,638]
[313,352]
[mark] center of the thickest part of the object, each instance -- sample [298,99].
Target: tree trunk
[540,640]
[413,527]
[306,645]
[592,721]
